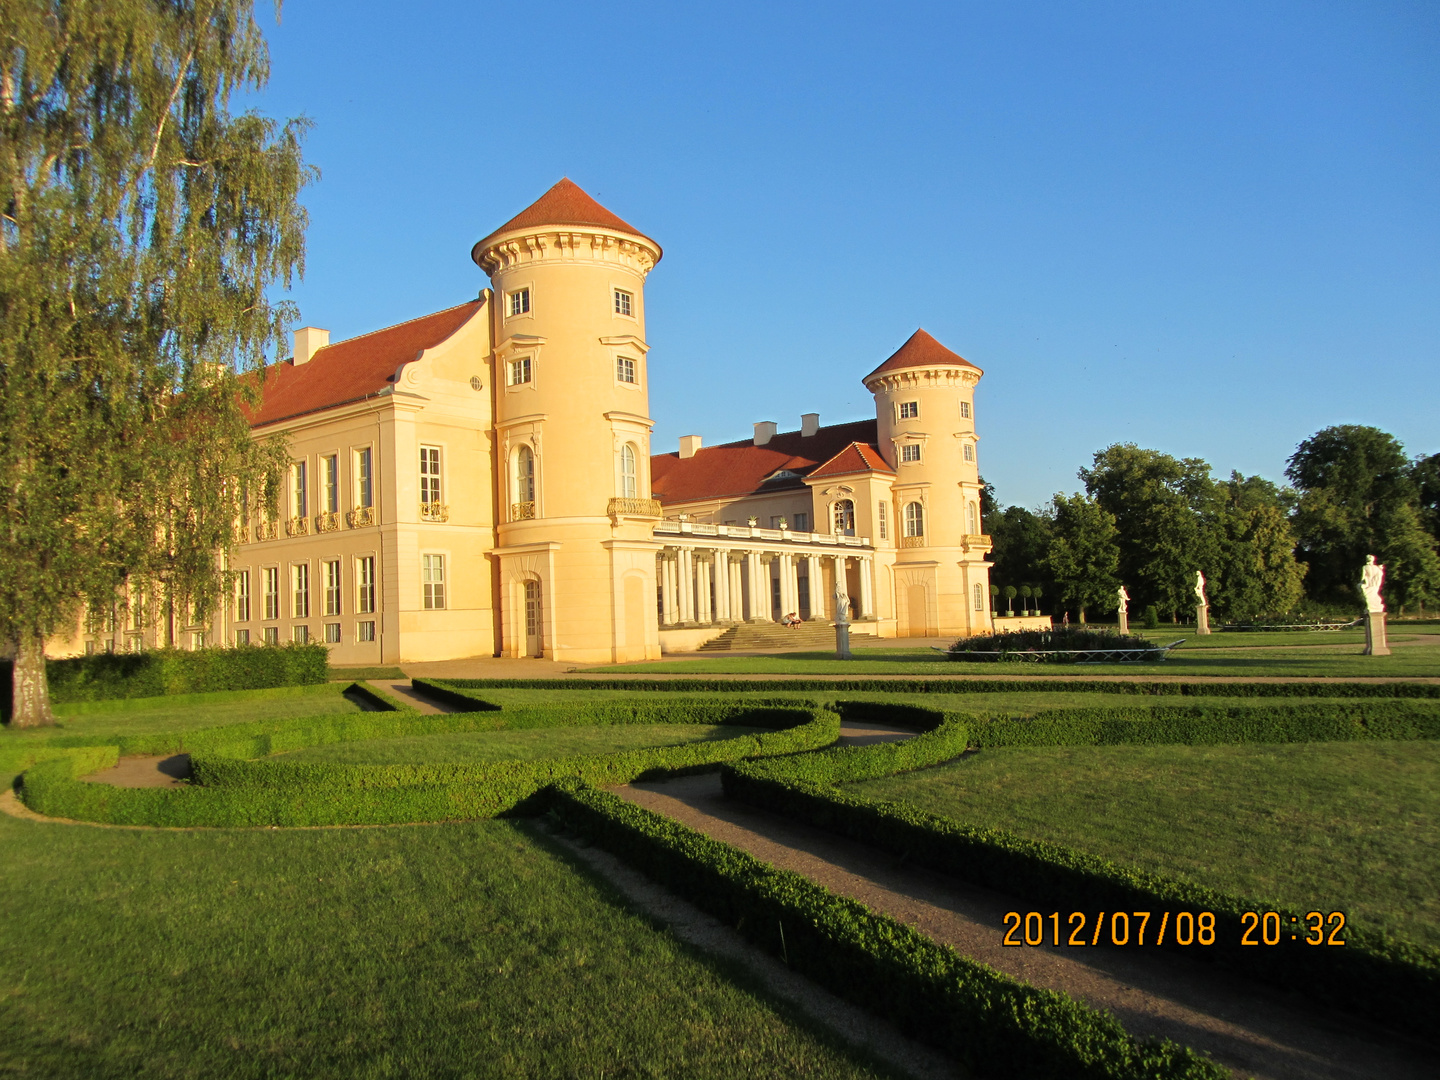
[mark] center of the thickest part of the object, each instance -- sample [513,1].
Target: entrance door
[915,611]
[534,640]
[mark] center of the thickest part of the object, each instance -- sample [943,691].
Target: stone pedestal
[1124,623]
[1376,644]
[1202,618]
[842,641]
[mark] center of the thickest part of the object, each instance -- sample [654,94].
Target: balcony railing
[674,527]
[327,521]
[522,511]
[267,530]
[634,508]
[360,517]
[434,511]
[912,541]
[297,526]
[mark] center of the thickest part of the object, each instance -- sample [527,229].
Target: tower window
[914,519]
[519,302]
[964,410]
[429,474]
[629,485]
[519,371]
[625,370]
[624,302]
[882,518]
[845,518]
[909,410]
[969,451]
[979,598]
[910,452]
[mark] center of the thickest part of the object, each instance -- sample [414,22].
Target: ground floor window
[242,637]
[271,634]
[301,634]
[365,631]
[532,608]
[432,581]
[979,597]
[332,633]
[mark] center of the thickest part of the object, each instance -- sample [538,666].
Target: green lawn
[516,745]
[471,950]
[1353,827]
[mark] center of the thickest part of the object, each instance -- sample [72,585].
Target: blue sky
[1209,228]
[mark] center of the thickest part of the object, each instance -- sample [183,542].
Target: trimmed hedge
[162,672]
[234,792]
[942,685]
[996,1025]
[1390,980]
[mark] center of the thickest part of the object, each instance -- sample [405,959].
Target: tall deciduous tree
[1084,557]
[143,225]
[1256,573]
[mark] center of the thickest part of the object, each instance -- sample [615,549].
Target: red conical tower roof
[921,350]
[565,204]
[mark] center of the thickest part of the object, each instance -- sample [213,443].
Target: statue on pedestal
[1202,609]
[1372,577]
[1124,610]
[842,620]
[1200,588]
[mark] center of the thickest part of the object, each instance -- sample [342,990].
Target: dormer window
[782,474]
[909,410]
[624,302]
[518,303]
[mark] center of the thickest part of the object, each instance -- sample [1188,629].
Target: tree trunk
[30,692]
[1082,616]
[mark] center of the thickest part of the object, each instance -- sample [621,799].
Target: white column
[722,585]
[759,588]
[702,591]
[687,585]
[817,587]
[789,584]
[667,589]
[737,589]
[867,588]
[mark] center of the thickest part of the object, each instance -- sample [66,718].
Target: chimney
[688,445]
[809,424]
[765,431]
[308,341]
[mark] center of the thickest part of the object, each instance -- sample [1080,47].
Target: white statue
[842,605]
[1124,599]
[1372,576]
[1200,589]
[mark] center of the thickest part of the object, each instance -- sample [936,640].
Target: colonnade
[705,586]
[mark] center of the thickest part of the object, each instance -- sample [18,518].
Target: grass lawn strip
[466,949]
[1351,827]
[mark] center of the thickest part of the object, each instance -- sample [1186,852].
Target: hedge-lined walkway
[1252,1029]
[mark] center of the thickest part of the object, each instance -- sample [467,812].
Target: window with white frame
[518,303]
[270,591]
[625,370]
[242,637]
[519,371]
[364,478]
[910,452]
[332,633]
[524,475]
[298,506]
[909,410]
[330,483]
[242,596]
[331,571]
[271,635]
[629,482]
[624,302]
[882,519]
[965,410]
[429,474]
[300,634]
[914,519]
[365,584]
[432,581]
[969,451]
[972,516]
[365,631]
[979,597]
[300,579]
[844,517]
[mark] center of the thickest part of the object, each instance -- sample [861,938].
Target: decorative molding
[570,243]
[631,341]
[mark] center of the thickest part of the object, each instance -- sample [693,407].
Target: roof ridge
[396,326]
[782,434]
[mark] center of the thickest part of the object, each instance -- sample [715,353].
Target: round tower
[925,420]
[572,430]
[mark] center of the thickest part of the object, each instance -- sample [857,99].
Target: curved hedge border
[237,792]
[943,685]
[996,1025]
[1393,981]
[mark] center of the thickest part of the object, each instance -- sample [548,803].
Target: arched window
[845,518]
[629,487]
[979,598]
[914,519]
[973,515]
[524,484]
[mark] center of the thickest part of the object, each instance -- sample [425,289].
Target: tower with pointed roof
[572,430]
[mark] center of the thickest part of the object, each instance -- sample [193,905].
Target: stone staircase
[761,637]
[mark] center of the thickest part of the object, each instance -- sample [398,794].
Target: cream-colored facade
[480,482]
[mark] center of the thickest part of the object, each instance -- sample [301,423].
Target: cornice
[633,341]
[566,243]
[933,375]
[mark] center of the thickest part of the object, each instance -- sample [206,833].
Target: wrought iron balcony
[634,508]
[360,517]
[522,511]
[327,521]
[434,511]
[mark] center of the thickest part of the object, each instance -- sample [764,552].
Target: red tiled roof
[921,350]
[563,204]
[855,458]
[742,468]
[352,370]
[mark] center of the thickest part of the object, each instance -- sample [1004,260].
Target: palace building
[480,481]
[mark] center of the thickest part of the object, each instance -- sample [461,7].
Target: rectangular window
[909,410]
[519,302]
[330,482]
[802,522]
[624,302]
[242,596]
[270,593]
[964,410]
[365,631]
[242,637]
[332,633]
[910,452]
[300,634]
[365,585]
[364,478]
[332,586]
[298,502]
[625,370]
[429,474]
[969,452]
[432,579]
[197,639]
[271,635]
[882,518]
[979,598]
[300,579]
[519,371]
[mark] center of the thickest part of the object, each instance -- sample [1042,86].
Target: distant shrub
[1152,618]
[1060,638]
